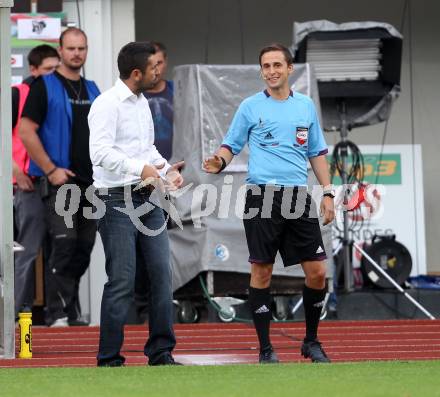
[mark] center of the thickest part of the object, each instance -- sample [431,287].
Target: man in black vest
[55,133]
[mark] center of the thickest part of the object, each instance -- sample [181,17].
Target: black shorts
[273,224]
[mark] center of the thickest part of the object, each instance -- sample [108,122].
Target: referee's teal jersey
[281,134]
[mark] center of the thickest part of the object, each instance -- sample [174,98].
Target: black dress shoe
[113,363]
[78,323]
[164,359]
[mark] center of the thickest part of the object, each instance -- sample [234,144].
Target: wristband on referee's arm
[223,165]
[329,191]
[51,171]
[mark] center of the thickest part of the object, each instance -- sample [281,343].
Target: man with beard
[160,100]
[55,132]
[123,155]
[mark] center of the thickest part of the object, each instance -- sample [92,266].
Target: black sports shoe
[268,356]
[164,359]
[314,351]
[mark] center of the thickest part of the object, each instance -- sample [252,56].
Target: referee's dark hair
[39,53]
[133,56]
[277,47]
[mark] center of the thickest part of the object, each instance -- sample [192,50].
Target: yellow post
[25,327]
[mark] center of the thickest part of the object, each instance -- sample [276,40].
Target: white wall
[109,24]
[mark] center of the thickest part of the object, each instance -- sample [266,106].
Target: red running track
[236,343]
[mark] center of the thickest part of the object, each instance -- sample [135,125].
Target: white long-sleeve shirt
[121,138]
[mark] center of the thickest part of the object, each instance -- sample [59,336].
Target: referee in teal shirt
[283,133]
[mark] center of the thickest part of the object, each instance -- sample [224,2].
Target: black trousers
[70,247]
[30,229]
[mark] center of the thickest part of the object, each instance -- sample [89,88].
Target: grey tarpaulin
[205,100]
[366,111]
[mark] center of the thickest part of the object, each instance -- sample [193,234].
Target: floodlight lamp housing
[359,68]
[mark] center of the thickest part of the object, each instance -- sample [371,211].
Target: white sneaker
[61,322]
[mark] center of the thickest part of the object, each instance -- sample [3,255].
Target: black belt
[122,189]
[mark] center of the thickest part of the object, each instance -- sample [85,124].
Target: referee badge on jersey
[302,134]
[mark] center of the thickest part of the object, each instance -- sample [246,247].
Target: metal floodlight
[357,66]
[345,60]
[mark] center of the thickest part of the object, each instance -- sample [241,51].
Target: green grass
[19,43]
[403,379]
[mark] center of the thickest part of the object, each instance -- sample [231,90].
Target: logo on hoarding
[364,203]
[385,169]
[38,26]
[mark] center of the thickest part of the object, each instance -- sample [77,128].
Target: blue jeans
[124,247]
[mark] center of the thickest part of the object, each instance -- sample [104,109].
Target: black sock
[313,299]
[259,303]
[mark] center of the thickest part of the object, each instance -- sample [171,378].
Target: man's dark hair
[277,47]
[39,53]
[71,30]
[160,47]
[133,56]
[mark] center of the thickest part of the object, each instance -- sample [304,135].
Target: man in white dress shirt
[123,155]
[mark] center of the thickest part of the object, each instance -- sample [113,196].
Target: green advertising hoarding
[385,169]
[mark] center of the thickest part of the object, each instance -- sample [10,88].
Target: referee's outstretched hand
[212,165]
[174,178]
[327,210]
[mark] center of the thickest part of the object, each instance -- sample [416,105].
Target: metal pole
[393,282]
[348,274]
[7,320]
[323,310]
[337,249]
[297,306]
